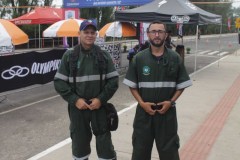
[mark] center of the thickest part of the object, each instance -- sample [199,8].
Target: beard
[160,44]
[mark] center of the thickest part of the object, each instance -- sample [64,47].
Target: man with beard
[156,78]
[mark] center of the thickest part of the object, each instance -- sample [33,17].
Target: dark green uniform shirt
[88,77]
[157,78]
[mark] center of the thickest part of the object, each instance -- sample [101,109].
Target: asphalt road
[35,118]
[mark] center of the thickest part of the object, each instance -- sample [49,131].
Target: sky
[236,4]
[58,2]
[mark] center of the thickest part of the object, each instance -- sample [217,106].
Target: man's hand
[81,104]
[147,106]
[95,104]
[165,107]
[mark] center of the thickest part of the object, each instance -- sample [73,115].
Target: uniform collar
[165,52]
[87,51]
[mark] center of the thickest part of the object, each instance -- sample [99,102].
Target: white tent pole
[195,57]
[114,33]
[39,35]
[35,35]
[114,29]
[219,42]
[13,49]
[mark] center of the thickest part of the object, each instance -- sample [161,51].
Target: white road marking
[223,53]
[27,105]
[192,74]
[212,53]
[51,149]
[68,140]
[203,52]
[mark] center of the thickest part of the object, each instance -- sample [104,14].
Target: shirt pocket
[172,70]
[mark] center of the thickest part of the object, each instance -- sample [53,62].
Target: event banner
[30,68]
[102,3]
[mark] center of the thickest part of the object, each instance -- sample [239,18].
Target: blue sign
[102,3]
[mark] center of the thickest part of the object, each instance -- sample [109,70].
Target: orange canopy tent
[11,34]
[118,29]
[64,28]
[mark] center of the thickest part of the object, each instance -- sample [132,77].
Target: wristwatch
[173,103]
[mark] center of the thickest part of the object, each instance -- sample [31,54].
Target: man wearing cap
[84,95]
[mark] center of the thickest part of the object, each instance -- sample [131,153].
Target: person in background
[145,45]
[156,78]
[130,55]
[168,42]
[85,98]
[133,51]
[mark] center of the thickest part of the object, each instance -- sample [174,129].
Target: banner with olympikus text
[22,70]
[102,3]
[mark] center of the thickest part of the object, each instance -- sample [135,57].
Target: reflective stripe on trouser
[82,123]
[107,159]
[74,158]
[82,158]
[161,128]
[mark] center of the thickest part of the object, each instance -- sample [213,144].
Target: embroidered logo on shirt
[146,70]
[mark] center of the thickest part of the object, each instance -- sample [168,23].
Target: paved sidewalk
[208,116]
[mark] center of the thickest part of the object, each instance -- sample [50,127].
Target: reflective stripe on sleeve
[112,74]
[184,84]
[61,76]
[130,83]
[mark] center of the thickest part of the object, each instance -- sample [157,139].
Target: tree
[17,8]
[217,8]
[103,15]
[107,16]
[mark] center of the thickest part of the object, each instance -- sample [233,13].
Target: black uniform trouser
[82,124]
[162,128]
